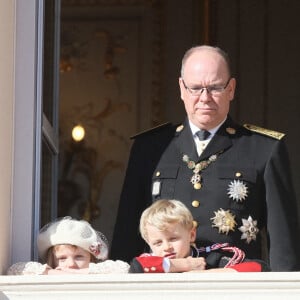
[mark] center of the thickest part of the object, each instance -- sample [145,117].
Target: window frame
[30,127]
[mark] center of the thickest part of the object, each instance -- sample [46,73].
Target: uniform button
[153,269]
[195,223]
[146,270]
[195,203]
[238,174]
[197,186]
[157,174]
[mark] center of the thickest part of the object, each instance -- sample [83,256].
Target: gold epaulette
[150,130]
[274,134]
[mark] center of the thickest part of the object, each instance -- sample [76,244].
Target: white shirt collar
[212,131]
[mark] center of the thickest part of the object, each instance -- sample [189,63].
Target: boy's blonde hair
[164,212]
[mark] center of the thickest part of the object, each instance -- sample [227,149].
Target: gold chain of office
[198,167]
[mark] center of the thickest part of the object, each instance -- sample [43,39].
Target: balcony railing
[187,286]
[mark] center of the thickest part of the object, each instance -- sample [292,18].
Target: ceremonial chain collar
[198,167]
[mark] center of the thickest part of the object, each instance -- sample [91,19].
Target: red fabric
[151,264]
[247,267]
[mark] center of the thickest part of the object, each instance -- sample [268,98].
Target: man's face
[173,242]
[206,69]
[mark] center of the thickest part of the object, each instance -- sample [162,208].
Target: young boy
[70,246]
[167,227]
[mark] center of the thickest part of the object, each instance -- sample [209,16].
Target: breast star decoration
[224,220]
[237,190]
[249,230]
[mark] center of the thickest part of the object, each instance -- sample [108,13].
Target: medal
[249,230]
[224,220]
[237,190]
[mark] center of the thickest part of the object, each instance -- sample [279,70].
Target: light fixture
[78,133]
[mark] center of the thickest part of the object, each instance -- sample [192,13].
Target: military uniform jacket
[246,189]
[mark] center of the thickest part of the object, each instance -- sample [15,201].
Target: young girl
[167,227]
[70,246]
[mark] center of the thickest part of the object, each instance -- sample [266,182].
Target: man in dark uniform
[235,179]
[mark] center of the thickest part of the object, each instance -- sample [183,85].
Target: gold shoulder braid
[274,134]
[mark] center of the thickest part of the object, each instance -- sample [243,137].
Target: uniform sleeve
[136,193]
[109,266]
[253,265]
[27,268]
[282,224]
[127,242]
[247,267]
[149,264]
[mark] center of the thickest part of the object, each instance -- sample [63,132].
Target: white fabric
[201,145]
[166,264]
[27,268]
[109,266]
[36,268]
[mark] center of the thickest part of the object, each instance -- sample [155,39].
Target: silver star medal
[224,220]
[237,190]
[249,230]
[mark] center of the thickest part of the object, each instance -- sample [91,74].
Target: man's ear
[182,89]
[232,85]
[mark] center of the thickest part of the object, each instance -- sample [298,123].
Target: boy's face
[173,242]
[71,257]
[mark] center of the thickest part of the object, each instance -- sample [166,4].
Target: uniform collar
[212,131]
[221,141]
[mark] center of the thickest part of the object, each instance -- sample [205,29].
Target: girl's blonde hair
[164,212]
